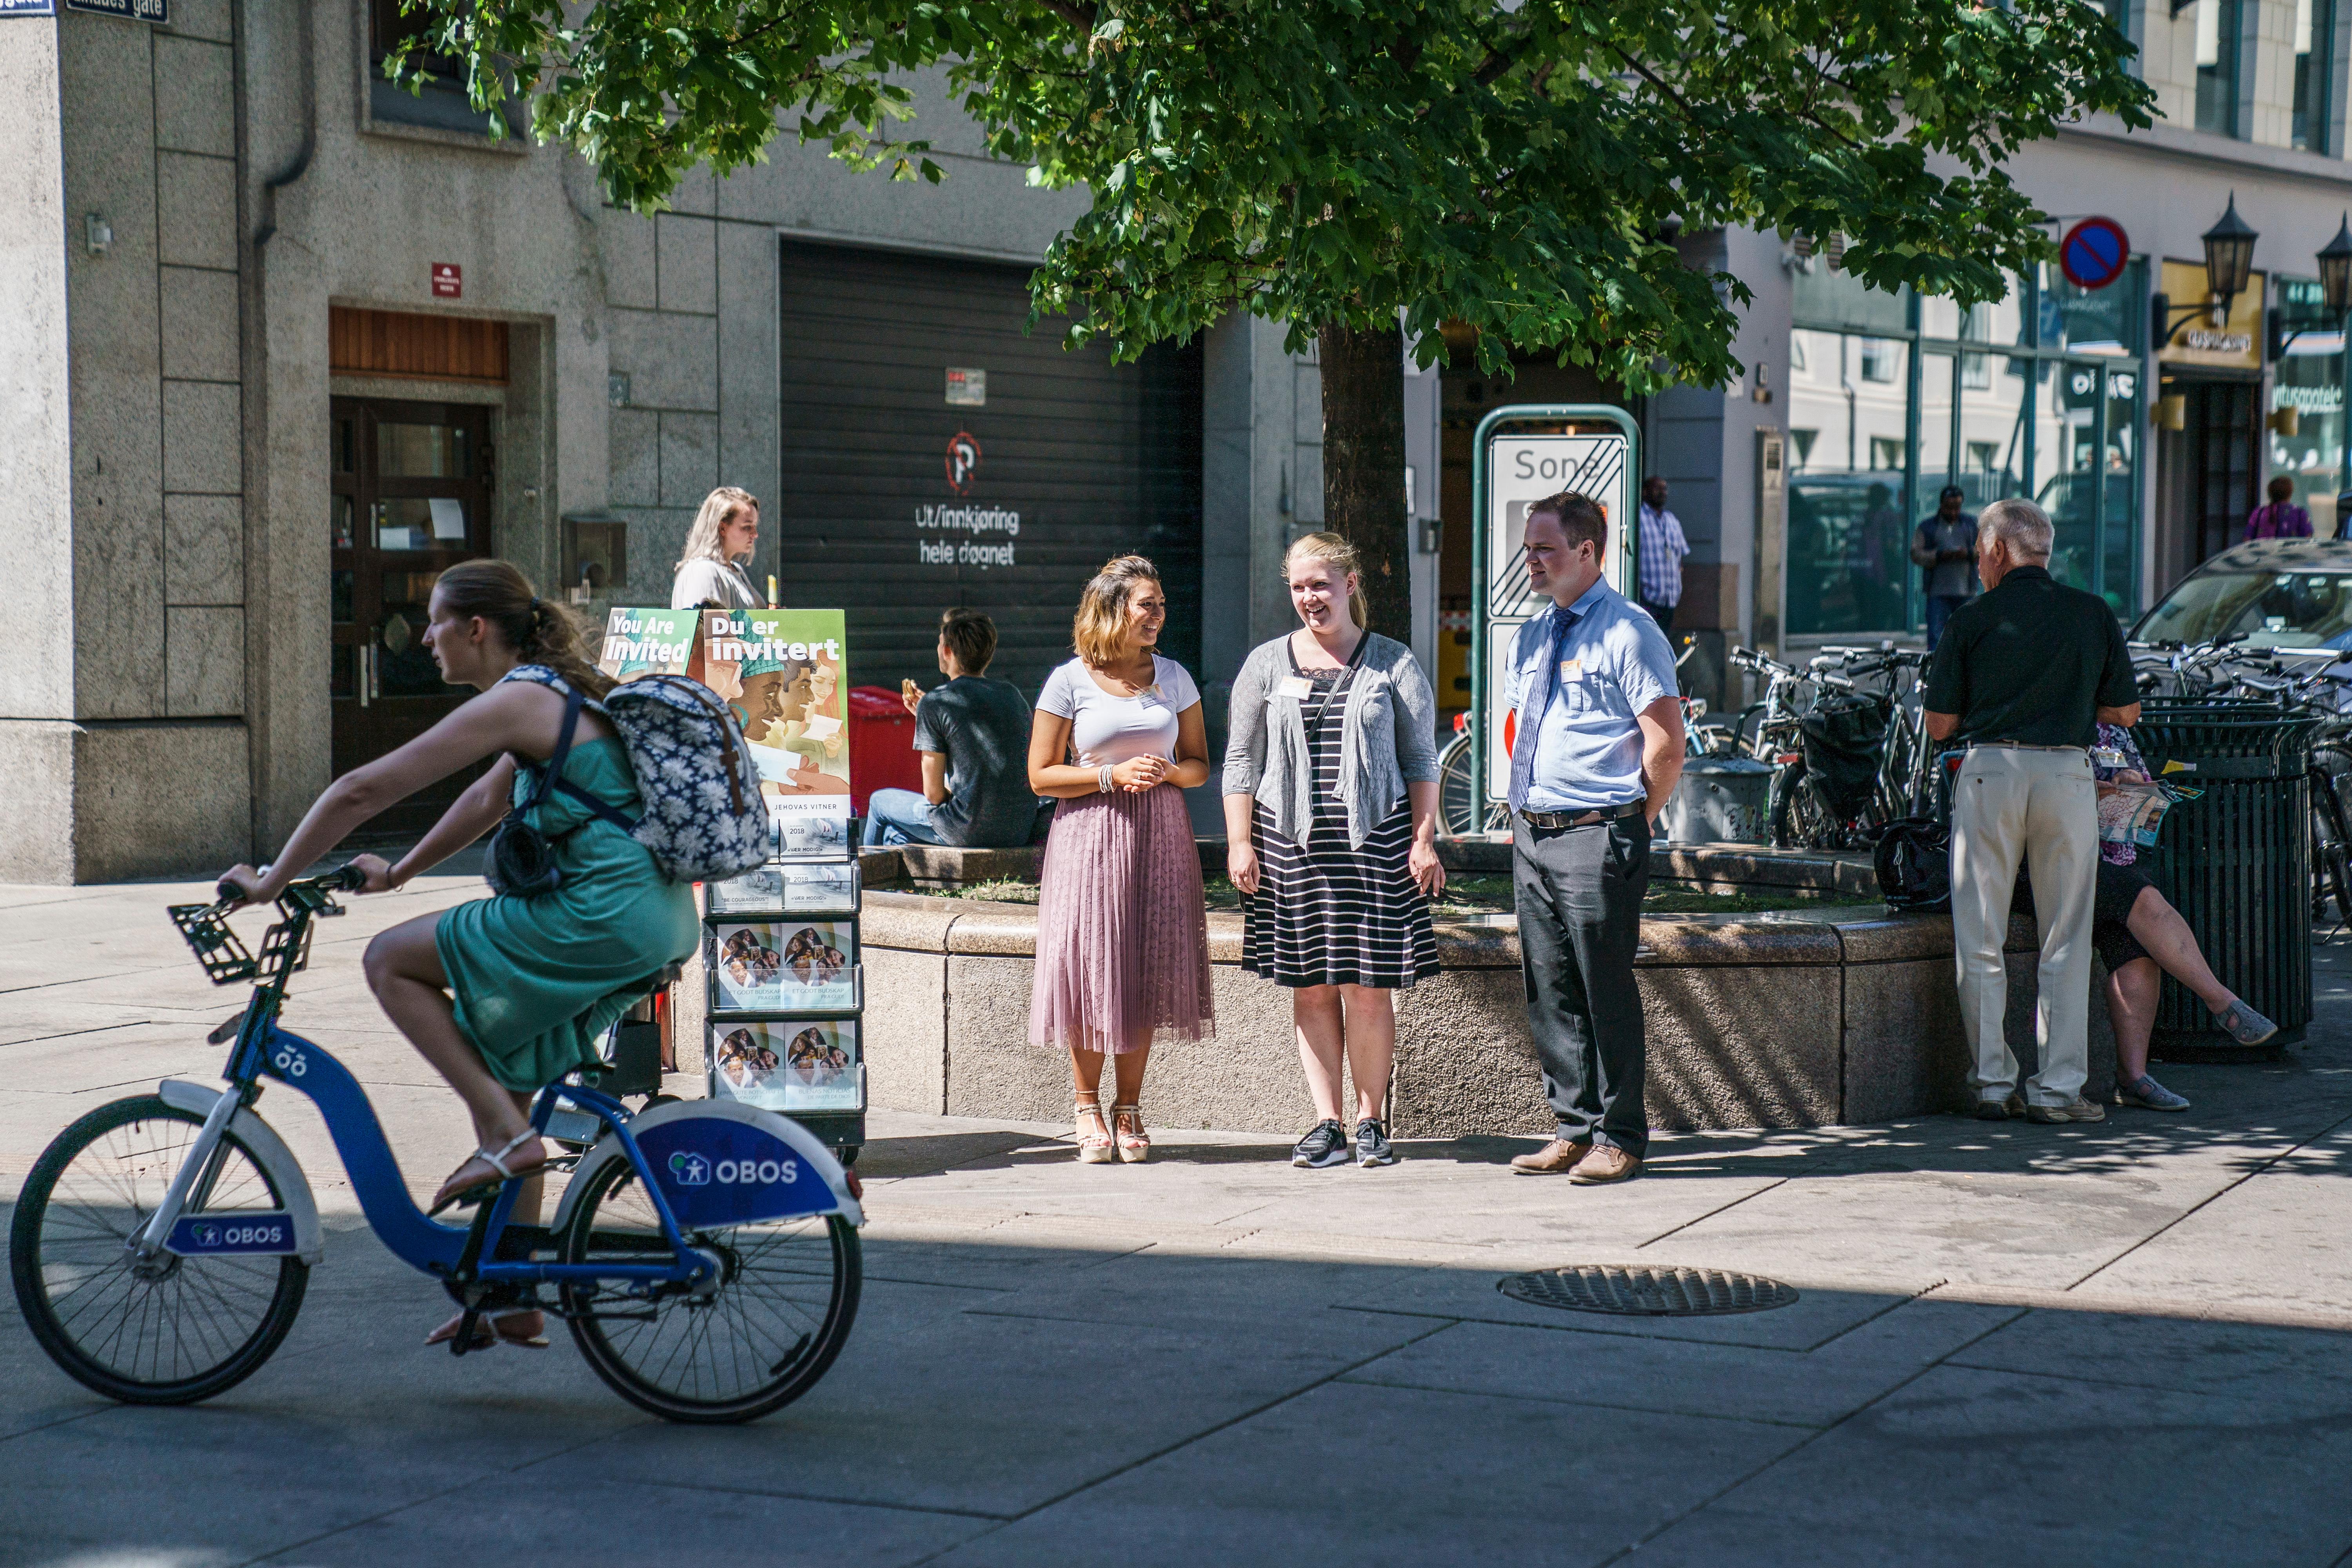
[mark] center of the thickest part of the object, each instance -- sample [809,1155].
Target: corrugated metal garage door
[896,504]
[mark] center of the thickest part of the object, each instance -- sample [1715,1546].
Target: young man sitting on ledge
[973,734]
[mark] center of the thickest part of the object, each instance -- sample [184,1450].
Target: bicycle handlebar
[311,891]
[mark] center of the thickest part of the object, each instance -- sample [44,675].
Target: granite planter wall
[1785,1020]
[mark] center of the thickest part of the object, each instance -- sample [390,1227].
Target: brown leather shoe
[1607,1162]
[1554,1159]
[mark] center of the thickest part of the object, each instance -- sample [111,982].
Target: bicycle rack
[276,939]
[225,957]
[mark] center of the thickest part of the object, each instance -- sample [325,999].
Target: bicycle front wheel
[165,1331]
[786,1297]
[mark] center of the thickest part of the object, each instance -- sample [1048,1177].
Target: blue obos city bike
[704,1253]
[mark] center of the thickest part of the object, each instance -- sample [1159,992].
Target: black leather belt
[1557,819]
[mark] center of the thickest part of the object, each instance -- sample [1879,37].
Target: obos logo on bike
[718,1172]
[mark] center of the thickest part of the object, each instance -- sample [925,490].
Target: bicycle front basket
[1843,738]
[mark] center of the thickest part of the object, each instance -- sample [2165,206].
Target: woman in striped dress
[1331,828]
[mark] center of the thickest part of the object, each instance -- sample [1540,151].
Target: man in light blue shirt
[1597,746]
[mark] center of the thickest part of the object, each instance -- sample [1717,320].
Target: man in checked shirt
[1662,549]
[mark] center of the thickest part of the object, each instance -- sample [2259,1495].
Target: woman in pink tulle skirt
[1122,929]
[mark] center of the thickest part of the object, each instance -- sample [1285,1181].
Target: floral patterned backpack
[704,820]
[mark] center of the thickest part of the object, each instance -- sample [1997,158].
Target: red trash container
[881,745]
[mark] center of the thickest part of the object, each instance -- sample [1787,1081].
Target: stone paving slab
[2111,1344]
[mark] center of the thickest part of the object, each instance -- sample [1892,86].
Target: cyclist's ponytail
[540,630]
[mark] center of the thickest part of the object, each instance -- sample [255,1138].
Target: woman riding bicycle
[506,993]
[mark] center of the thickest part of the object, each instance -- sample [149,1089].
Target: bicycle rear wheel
[1457,793]
[172,1330]
[781,1311]
[1797,820]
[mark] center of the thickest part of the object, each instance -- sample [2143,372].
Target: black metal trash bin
[2235,863]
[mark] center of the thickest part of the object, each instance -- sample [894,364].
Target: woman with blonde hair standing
[1331,829]
[725,532]
[1122,925]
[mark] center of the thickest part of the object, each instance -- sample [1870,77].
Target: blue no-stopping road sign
[2094,252]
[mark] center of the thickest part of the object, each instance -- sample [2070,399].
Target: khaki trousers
[2011,804]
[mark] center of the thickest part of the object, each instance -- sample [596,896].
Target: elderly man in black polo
[2023,676]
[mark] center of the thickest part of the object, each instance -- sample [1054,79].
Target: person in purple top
[2138,933]
[2280,519]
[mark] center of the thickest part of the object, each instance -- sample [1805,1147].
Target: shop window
[1847,555]
[2314,51]
[2096,321]
[2310,381]
[1829,297]
[2216,23]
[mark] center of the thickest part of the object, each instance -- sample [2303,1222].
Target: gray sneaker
[2149,1095]
[1372,1144]
[2245,1026]
[2080,1111]
[1326,1144]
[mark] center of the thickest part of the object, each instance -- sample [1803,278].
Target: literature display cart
[779,946]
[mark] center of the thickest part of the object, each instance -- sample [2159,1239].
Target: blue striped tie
[1531,712]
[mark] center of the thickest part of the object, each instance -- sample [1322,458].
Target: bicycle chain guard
[225,957]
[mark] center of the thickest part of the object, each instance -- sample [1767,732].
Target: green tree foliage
[1337,165]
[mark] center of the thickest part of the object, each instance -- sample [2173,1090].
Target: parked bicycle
[704,1253]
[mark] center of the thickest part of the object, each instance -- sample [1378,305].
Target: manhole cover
[1647,1292]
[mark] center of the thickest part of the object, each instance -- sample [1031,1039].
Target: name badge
[1571,669]
[1294,685]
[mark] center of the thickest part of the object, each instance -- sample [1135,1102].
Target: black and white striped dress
[1326,914]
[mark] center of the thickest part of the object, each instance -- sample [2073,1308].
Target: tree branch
[1077,16]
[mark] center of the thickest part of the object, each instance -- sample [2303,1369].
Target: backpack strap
[549,773]
[551,770]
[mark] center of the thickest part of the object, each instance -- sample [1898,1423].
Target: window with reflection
[2309,382]
[2314,51]
[1848,439]
[2217,22]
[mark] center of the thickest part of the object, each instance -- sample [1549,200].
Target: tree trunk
[1363,465]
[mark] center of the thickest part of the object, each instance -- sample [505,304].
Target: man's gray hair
[2019,524]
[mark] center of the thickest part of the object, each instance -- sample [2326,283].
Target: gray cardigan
[1387,738]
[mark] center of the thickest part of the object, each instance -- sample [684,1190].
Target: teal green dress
[539,981]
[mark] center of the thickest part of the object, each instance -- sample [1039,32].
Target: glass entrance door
[410,498]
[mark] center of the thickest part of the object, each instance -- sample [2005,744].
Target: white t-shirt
[721,580]
[1107,729]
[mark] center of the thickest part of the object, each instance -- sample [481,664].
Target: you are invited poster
[639,643]
[783,671]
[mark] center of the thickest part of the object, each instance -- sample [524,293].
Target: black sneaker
[1326,1143]
[1372,1145]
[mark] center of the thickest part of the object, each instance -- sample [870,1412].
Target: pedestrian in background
[2282,519]
[1331,833]
[1122,920]
[971,734]
[2025,674]
[1944,547]
[1660,548]
[709,571]
[1599,746]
